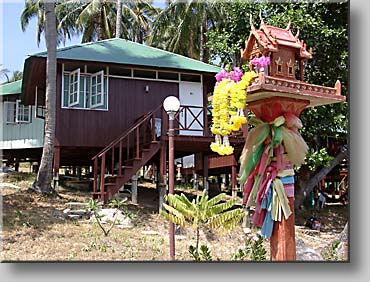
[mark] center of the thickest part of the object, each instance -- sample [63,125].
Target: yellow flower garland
[229,100]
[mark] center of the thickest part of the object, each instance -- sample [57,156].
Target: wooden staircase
[123,157]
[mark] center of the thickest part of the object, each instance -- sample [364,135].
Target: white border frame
[101,74]
[73,73]
[6,112]
[17,111]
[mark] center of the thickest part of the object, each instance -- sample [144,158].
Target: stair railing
[128,145]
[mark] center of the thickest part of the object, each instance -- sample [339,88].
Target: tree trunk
[318,177]
[191,45]
[203,40]
[118,19]
[140,35]
[44,175]
[303,177]
[100,27]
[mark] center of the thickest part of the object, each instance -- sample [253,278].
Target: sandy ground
[34,229]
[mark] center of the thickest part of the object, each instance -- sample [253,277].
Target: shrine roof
[271,37]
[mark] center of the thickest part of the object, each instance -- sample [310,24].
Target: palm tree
[4,72]
[36,8]
[94,19]
[139,16]
[16,75]
[44,175]
[183,25]
[118,18]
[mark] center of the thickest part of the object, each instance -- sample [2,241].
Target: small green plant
[253,250]
[331,253]
[72,255]
[202,213]
[118,203]
[203,253]
[22,218]
[103,248]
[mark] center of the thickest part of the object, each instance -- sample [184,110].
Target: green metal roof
[11,88]
[122,51]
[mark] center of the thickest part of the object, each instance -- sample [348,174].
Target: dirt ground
[33,229]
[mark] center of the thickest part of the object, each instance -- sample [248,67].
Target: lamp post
[171,105]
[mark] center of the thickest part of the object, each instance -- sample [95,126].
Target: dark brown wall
[127,101]
[285,55]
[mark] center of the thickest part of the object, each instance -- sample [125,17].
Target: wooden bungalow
[22,127]
[109,108]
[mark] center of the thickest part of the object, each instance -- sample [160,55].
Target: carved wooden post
[282,241]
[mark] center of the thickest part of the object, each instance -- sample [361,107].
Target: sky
[16,45]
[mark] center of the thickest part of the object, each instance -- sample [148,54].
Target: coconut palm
[97,20]
[36,8]
[44,175]
[138,19]
[4,72]
[16,75]
[181,27]
[94,20]
[118,18]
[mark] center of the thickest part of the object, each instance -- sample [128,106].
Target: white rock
[9,185]
[247,230]
[66,210]
[125,226]
[109,215]
[304,253]
[180,237]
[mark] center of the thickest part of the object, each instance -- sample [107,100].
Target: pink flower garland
[261,61]
[235,75]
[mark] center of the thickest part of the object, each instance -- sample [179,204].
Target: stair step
[130,161]
[126,166]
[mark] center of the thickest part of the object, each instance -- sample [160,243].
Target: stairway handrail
[127,132]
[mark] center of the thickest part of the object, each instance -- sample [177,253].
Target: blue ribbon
[287,180]
[268,223]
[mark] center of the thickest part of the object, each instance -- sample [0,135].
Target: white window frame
[73,75]
[20,108]
[97,93]
[9,119]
